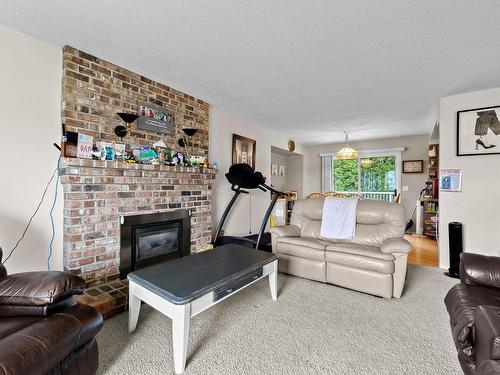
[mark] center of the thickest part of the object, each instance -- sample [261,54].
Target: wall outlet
[405,188]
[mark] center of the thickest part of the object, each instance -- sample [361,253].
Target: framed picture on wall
[281,170]
[243,150]
[413,166]
[274,169]
[478,131]
[450,180]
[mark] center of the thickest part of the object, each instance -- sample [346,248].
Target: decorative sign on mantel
[84,145]
[155,118]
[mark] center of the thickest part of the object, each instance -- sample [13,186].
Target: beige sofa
[374,261]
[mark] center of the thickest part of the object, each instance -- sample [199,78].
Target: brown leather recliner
[42,330]
[474,309]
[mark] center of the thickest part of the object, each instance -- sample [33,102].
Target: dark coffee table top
[184,279]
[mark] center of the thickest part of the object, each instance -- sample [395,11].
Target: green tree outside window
[378,174]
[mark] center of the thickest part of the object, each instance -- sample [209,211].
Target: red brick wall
[97,193]
[94,90]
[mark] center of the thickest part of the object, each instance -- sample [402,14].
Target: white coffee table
[184,287]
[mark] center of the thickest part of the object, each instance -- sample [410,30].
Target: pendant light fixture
[346,152]
[366,163]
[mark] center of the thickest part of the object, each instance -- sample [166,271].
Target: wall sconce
[189,132]
[128,118]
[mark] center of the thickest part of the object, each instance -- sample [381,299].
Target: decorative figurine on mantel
[145,155]
[165,155]
[179,159]
[197,161]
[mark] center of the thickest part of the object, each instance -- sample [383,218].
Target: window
[345,175]
[373,175]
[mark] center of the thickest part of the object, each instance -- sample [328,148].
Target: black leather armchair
[42,330]
[474,309]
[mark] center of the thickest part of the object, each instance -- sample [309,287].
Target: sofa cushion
[8,326]
[39,288]
[312,229]
[363,250]
[360,262]
[302,247]
[302,267]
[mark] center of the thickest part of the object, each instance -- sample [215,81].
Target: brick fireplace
[99,195]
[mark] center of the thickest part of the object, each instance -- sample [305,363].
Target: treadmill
[242,176]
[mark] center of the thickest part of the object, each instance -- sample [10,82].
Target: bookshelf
[431,199]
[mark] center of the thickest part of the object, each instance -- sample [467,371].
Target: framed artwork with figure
[478,131]
[243,150]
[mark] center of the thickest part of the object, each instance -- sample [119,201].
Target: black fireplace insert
[153,238]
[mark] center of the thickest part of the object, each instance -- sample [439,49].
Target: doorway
[287,171]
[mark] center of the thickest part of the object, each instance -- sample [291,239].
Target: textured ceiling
[308,68]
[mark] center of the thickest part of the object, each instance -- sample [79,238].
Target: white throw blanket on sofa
[339,218]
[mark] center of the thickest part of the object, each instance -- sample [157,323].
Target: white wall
[280,182]
[295,174]
[478,205]
[30,96]
[416,149]
[292,180]
[222,126]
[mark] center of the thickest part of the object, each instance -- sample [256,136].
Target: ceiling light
[366,163]
[347,152]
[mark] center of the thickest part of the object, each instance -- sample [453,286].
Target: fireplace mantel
[97,193]
[88,163]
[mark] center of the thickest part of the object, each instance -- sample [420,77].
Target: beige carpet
[313,328]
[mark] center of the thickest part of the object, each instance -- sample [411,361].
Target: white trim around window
[375,152]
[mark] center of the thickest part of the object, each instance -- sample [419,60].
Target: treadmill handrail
[272,190]
[236,188]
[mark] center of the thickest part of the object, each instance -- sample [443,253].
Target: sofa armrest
[37,348]
[3,270]
[38,288]
[285,231]
[477,269]
[489,367]
[487,334]
[396,245]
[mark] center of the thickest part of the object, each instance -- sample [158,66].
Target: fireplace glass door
[156,242]
[153,238]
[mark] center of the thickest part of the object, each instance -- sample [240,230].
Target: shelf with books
[431,202]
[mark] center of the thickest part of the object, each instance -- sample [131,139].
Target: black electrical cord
[31,218]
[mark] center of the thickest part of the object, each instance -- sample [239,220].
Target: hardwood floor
[425,251]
